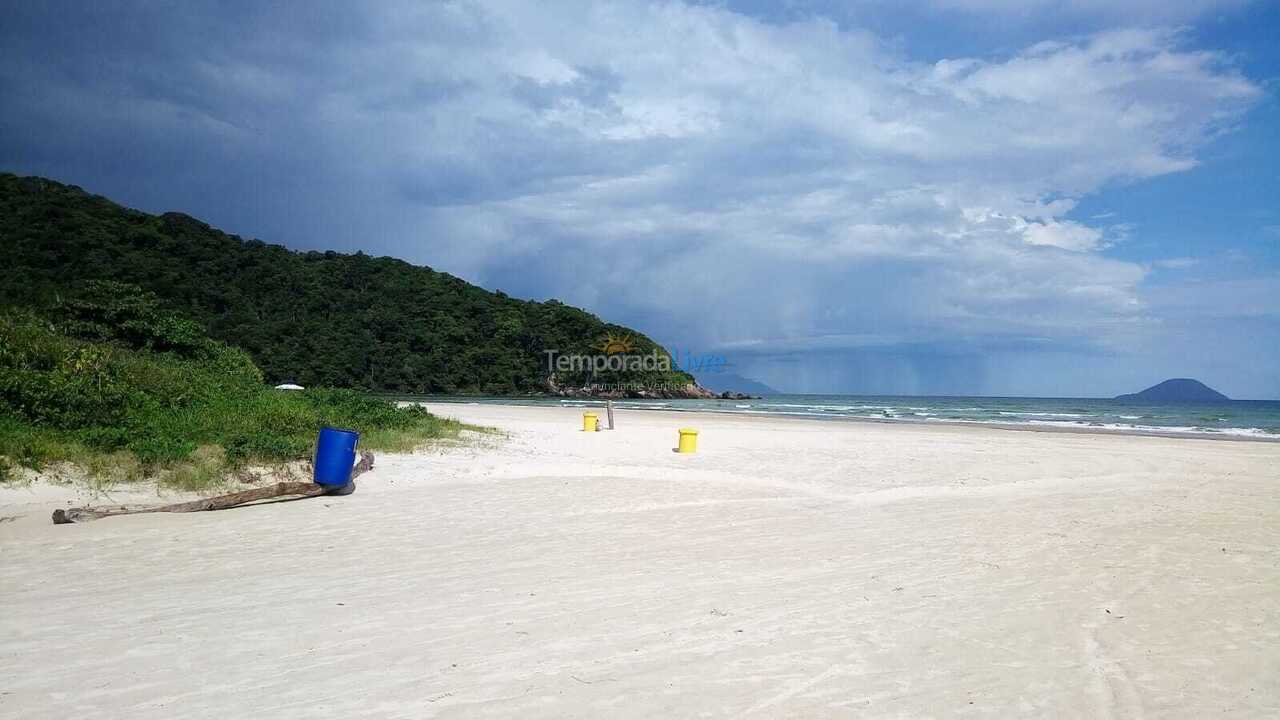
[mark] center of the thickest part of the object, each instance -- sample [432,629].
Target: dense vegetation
[315,318]
[110,380]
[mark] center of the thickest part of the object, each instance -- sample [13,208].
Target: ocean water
[1250,418]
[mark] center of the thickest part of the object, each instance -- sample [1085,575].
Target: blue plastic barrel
[335,456]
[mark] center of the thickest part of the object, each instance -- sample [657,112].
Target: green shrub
[103,310]
[25,445]
[106,439]
[161,448]
[243,446]
[125,390]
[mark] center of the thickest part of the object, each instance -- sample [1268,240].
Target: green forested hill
[316,318]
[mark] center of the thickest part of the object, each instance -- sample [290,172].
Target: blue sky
[933,196]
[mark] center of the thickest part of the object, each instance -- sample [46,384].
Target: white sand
[788,569]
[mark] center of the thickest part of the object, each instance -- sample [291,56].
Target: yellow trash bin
[590,421]
[688,440]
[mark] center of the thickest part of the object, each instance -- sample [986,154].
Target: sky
[996,197]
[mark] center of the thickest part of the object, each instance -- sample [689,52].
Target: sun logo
[614,344]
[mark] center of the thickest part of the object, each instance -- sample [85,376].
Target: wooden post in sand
[220,502]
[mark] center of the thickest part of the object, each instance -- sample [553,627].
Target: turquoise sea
[1246,418]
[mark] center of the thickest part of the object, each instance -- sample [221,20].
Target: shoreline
[577,403]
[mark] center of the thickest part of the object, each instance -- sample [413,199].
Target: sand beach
[789,568]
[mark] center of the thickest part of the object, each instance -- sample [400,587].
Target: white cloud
[1142,11]
[1177,263]
[1067,235]
[809,175]
[726,180]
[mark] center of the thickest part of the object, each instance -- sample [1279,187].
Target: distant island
[725,382]
[1176,390]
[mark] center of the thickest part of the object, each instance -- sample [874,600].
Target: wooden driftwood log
[220,502]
